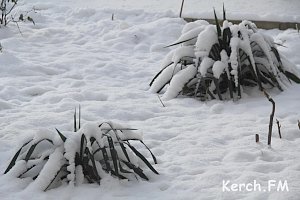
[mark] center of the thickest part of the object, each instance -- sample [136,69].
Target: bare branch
[278,126]
[15,3]
[271,116]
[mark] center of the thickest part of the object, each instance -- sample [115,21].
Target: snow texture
[77,55]
[275,10]
[206,39]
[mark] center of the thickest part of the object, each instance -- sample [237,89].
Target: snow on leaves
[217,62]
[85,156]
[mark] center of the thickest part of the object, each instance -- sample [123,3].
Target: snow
[183,52]
[205,64]
[206,39]
[164,78]
[178,82]
[272,10]
[191,31]
[76,55]
[218,68]
[56,160]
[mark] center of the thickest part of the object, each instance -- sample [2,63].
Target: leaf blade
[63,138]
[14,159]
[136,152]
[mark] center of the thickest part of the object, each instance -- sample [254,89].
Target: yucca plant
[84,156]
[219,62]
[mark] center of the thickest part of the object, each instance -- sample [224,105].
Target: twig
[16,22]
[181,8]
[278,126]
[161,101]
[271,116]
[7,13]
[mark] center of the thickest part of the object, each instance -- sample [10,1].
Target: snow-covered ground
[78,55]
[270,10]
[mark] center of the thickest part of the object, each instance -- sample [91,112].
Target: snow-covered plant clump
[219,62]
[86,156]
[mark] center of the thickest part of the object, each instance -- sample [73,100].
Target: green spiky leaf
[136,170]
[160,73]
[83,143]
[136,152]
[106,159]
[114,155]
[217,25]
[79,117]
[292,76]
[227,35]
[153,157]
[14,159]
[75,120]
[55,177]
[31,149]
[180,42]
[215,52]
[94,172]
[124,151]
[224,12]
[63,138]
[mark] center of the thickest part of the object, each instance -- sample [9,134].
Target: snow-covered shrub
[7,15]
[87,155]
[219,62]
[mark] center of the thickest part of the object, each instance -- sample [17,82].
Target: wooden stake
[256,138]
